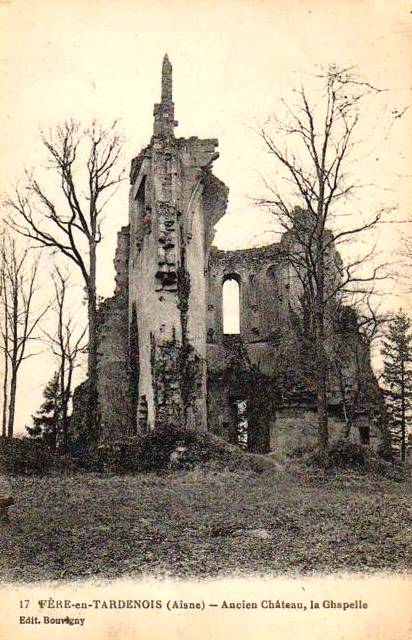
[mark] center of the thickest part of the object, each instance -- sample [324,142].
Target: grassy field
[204,524]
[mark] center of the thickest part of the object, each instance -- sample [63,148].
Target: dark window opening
[210,335]
[142,215]
[364,433]
[142,414]
[134,369]
[141,192]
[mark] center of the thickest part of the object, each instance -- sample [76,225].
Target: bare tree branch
[19,319]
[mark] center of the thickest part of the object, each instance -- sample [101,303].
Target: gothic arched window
[231,305]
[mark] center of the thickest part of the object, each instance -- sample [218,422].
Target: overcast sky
[232,62]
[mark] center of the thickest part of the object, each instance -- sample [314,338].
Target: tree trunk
[6,362]
[67,395]
[403,414]
[348,425]
[12,405]
[14,363]
[322,406]
[5,395]
[350,413]
[322,365]
[347,406]
[92,353]
[60,431]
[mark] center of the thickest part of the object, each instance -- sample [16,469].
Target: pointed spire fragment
[164,118]
[167,80]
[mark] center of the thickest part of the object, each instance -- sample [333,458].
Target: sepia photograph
[206,319]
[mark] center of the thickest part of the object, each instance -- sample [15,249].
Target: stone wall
[114,383]
[265,282]
[295,428]
[273,375]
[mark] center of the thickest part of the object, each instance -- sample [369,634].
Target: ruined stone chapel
[164,356]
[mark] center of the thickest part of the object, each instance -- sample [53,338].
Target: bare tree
[4,345]
[19,319]
[312,145]
[67,342]
[71,224]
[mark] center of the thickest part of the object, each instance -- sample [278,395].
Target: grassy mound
[179,449]
[156,451]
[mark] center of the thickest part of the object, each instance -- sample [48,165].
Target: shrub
[153,451]
[24,456]
[178,448]
[117,457]
[345,454]
[390,470]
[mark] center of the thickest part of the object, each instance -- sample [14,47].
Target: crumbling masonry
[163,356]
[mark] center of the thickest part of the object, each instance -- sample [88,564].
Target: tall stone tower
[174,204]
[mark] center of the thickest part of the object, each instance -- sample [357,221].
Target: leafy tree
[47,418]
[397,377]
